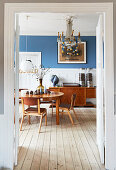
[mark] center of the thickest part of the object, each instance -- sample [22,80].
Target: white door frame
[16,86]
[99,89]
[10,10]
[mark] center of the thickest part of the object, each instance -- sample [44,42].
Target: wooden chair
[68,107]
[51,102]
[33,111]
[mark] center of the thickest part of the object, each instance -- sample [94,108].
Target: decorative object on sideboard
[70,48]
[71,85]
[89,80]
[54,80]
[82,79]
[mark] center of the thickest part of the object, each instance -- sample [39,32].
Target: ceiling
[49,24]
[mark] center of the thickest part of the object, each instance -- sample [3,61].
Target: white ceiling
[49,24]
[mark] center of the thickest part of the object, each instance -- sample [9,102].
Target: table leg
[57,111]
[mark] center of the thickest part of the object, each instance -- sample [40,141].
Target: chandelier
[69,43]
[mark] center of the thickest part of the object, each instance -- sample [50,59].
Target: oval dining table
[50,96]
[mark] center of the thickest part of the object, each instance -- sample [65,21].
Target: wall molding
[37,34]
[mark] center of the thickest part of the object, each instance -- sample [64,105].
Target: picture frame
[35,57]
[64,59]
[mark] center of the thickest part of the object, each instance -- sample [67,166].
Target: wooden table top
[51,95]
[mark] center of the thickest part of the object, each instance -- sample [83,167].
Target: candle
[62,34]
[72,32]
[58,34]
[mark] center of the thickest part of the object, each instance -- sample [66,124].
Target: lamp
[69,43]
[26,66]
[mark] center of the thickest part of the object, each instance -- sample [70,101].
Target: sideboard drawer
[90,93]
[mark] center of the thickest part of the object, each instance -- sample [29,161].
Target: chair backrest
[29,101]
[73,97]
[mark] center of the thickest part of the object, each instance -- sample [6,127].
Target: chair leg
[74,113]
[70,117]
[14,117]
[29,119]
[46,119]
[62,112]
[52,109]
[40,123]
[22,122]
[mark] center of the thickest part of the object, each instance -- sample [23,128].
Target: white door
[17,30]
[99,88]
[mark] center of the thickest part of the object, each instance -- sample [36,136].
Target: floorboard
[60,147]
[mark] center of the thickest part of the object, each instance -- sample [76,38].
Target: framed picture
[35,57]
[80,58]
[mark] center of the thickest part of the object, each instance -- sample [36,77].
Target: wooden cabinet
[57,89]
[90,93]
[82,93]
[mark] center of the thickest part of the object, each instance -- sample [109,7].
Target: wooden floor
[63,147]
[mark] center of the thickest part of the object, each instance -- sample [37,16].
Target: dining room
[57,92]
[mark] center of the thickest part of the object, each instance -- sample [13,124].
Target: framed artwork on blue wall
[69,55]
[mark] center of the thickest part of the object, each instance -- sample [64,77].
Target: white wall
[28,80]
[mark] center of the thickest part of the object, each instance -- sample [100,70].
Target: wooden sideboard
[82,93]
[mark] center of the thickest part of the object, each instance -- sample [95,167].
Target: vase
[40,88]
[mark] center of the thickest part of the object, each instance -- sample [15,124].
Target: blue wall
[48,46]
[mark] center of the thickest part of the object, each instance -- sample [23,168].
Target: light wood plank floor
[62,147]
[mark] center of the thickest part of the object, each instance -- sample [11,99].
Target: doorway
[36,38]
[109,108]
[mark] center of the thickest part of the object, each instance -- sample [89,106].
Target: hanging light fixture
[26,65]
[69,43]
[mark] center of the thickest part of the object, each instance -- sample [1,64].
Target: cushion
[62,105]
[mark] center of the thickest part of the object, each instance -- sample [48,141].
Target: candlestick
[72,32]
[62,34]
